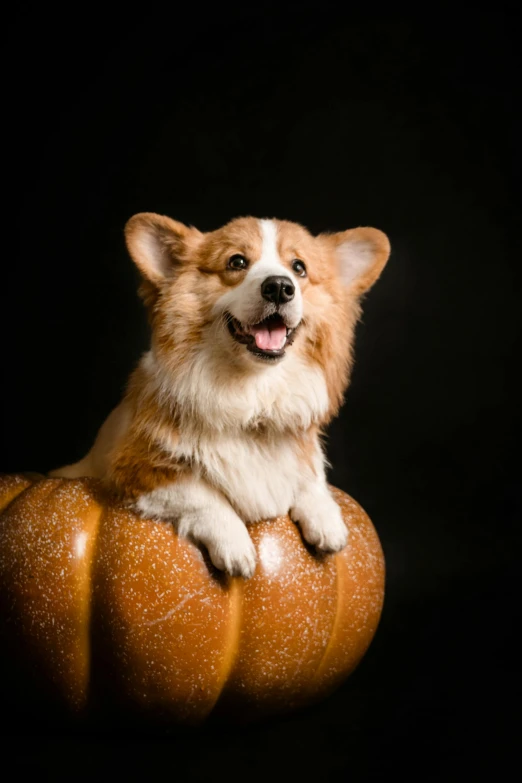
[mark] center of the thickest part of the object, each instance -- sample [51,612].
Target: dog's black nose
[277,289]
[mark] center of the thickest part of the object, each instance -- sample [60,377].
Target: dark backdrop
[334,116]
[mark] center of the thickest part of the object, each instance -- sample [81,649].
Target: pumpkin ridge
[12,497]
[55,521]
[365,540]
[97,512]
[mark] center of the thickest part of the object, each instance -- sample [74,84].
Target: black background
[333,116]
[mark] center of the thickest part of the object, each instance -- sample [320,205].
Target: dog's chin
[266,340]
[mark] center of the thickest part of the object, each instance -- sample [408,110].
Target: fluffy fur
[216,430]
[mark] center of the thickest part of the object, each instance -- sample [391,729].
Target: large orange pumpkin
[92,595]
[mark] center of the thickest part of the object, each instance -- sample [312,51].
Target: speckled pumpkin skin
[92,593]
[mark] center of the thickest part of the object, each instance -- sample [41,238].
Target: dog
[252,333]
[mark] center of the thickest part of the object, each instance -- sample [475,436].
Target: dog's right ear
[159,245]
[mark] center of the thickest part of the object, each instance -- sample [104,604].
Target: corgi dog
[252,330]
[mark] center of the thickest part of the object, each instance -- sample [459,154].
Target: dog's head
[257,304]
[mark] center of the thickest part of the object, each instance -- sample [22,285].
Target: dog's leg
[78,470]
[317,513]
[202,513]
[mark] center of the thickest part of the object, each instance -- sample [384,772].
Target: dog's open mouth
[266,339]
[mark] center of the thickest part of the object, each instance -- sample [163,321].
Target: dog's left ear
[361,255]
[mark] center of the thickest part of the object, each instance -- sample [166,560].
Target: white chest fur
[260,477]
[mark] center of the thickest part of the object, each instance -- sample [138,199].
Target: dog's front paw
[225,537]
[236,557]
[321,523]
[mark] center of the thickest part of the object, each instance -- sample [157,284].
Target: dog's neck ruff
[206,394]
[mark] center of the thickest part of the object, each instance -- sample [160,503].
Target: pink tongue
[269,339]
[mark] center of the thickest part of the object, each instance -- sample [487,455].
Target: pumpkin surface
[92,593]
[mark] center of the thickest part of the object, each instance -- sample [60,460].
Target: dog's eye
[299,268]
[237,261]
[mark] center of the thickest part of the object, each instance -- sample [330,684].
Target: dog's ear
[159,245]
[361,255]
